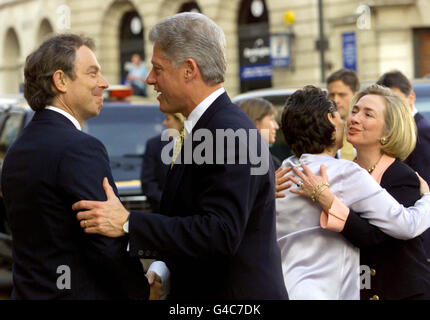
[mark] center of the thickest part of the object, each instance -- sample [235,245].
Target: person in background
[342,85]
[263,114]
[419,159]
[137,75]
[317,263]
[154,171]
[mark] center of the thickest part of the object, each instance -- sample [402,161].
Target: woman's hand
[311,183]
[281,181]
[424,187]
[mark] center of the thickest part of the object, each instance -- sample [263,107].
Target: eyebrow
[93,67]
[365,108]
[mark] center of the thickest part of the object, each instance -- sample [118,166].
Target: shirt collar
[414,111]
[198,111]
[67,115]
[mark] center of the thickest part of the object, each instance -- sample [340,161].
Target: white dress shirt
[322,264]
[67,115]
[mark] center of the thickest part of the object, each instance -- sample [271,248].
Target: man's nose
[103,83]
[150,80]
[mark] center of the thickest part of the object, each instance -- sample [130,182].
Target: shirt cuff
[160,268]
[336,217]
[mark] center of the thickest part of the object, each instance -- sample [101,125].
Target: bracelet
[317,189]
[319,193]
[423,194]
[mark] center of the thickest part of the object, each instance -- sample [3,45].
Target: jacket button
[372,272]
[148,253]
[140,252]
[375,297]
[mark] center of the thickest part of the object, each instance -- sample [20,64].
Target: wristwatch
[125,226]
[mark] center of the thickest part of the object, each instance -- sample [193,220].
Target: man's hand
[156,287]
[102,217]
[281,181]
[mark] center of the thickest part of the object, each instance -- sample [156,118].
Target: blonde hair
[257,108]
[400,130]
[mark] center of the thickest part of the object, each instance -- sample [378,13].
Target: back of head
[193,35]
[257,108]
[305,122]
[56,53]
[400,128]
[348,77]
[396,79]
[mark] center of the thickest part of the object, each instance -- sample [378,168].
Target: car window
[11,128]
[423,106]
[124,130]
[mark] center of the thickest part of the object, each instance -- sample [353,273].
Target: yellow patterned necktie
[178,147]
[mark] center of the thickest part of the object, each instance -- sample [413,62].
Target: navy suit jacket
[419,160]
[154,172]
[402,270]
[217,230]
[49,167]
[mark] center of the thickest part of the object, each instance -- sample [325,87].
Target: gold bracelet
[319,193]
[316,190]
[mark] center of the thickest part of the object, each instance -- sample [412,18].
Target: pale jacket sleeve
[361,193]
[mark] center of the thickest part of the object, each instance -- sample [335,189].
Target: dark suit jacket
[419,160]
[49,167]
[402,270]
[154,172]
[217,232]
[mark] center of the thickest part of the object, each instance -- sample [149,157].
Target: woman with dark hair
[318,263]
[262,113]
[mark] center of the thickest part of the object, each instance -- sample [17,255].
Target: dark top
[154,172]
[401,270]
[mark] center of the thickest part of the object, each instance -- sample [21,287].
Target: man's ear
[60,79]
[411,98]
[190,69]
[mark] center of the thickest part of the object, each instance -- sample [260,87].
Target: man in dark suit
[217,227]
[52,165]
[419,159]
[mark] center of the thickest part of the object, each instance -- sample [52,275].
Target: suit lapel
[175,174]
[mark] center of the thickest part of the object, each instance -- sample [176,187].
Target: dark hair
[305,124]
[348,77]
[56,53]
[395,79]
[257,108]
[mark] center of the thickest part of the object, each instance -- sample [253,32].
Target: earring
[383,141]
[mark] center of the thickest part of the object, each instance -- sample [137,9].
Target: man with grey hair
[217,228]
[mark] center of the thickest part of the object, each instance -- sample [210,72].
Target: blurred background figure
[154,171]
[419,159]
[137,75]
[263,113]
[342,85]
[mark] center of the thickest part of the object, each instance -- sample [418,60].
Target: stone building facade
[372,36]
